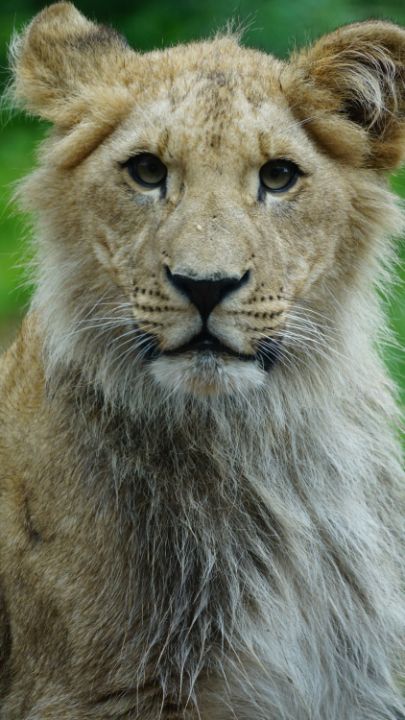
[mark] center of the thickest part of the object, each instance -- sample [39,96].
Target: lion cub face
[205,201]
[202,214]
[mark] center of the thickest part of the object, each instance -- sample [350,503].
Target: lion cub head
[205,210]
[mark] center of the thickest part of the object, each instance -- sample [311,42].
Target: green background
[277,26]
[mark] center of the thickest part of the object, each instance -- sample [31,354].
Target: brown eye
[278,175]
[147,170]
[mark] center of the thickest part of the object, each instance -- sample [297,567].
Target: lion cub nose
[205,293]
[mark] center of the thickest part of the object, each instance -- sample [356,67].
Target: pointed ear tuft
[350,89]
[60,56]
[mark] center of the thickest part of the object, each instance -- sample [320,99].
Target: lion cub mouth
[206,343]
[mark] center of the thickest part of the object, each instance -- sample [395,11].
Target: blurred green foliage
[277,26]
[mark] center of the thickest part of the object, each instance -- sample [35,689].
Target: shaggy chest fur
[184,566]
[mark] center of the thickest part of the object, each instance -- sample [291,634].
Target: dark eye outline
[131,167]
[297,172]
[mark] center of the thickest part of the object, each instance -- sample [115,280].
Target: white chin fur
[206,374]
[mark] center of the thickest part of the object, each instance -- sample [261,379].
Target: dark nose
[205,294]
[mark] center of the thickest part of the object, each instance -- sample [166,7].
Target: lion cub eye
[278,175]
[147,170]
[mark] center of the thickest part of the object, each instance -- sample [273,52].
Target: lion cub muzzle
[206,293]
[207,362]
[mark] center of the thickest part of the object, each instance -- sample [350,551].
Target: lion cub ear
[59,61]
[349,89]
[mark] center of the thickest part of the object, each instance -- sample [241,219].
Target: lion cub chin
[206,375]
[201,490]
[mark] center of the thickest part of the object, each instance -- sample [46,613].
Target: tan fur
[196,537]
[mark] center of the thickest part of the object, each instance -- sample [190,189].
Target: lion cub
[201,492]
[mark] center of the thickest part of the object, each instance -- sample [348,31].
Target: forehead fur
[204,99]
[209,82]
